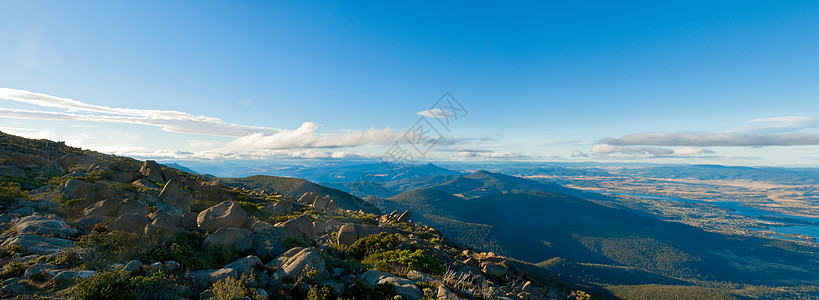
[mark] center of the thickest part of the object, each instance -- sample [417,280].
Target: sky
[691,82]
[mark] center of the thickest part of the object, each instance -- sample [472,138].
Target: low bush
[118,284]
[373,244]
[118,246]
[413,260]
[187,249]
[231,288]
[361,291]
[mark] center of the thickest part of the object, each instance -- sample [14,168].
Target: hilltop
[84,225]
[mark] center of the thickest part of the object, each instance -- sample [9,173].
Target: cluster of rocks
[318,202]
[395,217]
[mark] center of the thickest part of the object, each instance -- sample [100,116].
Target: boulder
[403,286]
[236,238]
[143,183]
[38,244]
[189,221]
[405,217]
[347,235]
[417,276]
[259,226]
[332,206]
[269,244]
[88,222]
[245,265]
[71,276]
[170,190]
[301,225]
[302,262]
[133,223]
[280,208]
[44,225]
[307,199]
[225,214]
[495,269]
[205,278]
[107,207]
[133,206]
[173,196]
[37,269]
[164,226]
[132,266]
[151,170]
[321,202]
[93,192]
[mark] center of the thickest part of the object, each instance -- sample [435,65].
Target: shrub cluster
[118,284]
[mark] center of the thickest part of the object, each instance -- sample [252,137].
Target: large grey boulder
[38,244]
[71,276]
[107,207]
[205,278]
[280,208]
[403,286]
[44,225]
[297,264]
[174,196]
[321,202]
[301,225]
[151,170]
[170,190]
[235,238]
[270,244]
[245,265]
[164,225]
[133,223]
[347,235]
[133,206]
[307,199]
[225,214]
[93,192]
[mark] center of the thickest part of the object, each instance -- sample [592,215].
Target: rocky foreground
[79,224]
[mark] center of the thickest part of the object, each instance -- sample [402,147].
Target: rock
[332,206]
[71,276]
[143,183]
[301,225]
[269,244]
[44,225]
[403,286]
[133,206]
[347,235]
[103,208]
[52,169]
[225,214]
[280,208]
[307,199]
[245,265]
[236,238]
[93,192]
[132,266]
[405,217]
[189,221]
[37,269]
[88,222]
[302,262]
[321,202]
[151,170]
[170,190]
[205,278]
[423,277]
[263,295]
[38,244]
[443,293]
[258,227]
[23,211]
[133,223]
[495,269]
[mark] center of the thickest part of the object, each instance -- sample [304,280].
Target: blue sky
[674,82]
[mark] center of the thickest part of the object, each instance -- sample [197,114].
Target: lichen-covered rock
[225,214]
[301,225]
[38,244]
[245,265]
[133,223]
[403,286]
[236,238]
[151,170]
[107,207]
[49,225]
[305,261]
[347,235]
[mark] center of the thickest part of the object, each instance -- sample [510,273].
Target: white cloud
[306,137]
[651,151]
[436,113]
[578,153]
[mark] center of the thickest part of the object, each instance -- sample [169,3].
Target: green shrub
[11,193]
[361,291]
[187,249]
[118,284]
[322,293]
[373,244]
[231,288]
[13,269]
[292,242]
[114,245]
[414,260]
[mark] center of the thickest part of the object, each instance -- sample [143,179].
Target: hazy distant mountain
[517,217]
[181,167]
[711,172]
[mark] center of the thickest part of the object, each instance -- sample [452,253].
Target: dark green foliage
[361,291]
[231,288]
[415,260]
[322,293]
[11,193]
[117,284]
[115,245]
[372,245]
[292,242]
[13,269]
[187,249]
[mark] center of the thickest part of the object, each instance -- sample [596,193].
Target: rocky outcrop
[172,195]
[134,223]
[151,170]
[307,199]
[107,207]
[395,217]
[349,233]
[301,226]
[92,192]
[38,244]
[269,244]
[245,265]
[281,208]
[403,286]
[297,262]
[133,206]
[40,224]
[225,214]
[205,278]
[235,238]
